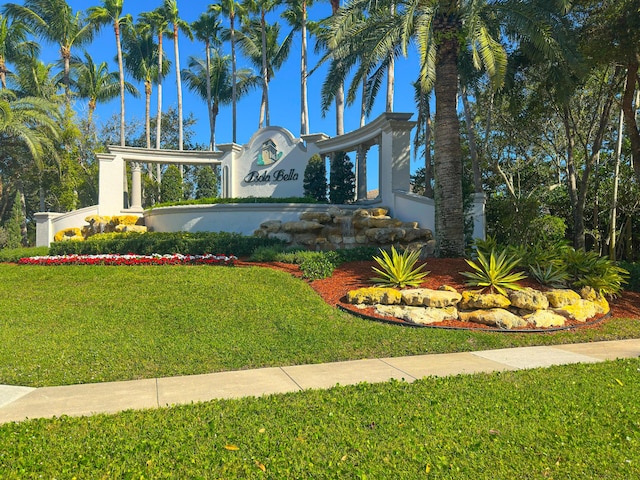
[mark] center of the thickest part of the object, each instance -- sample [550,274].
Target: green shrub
[494,273]
[15,254]
[355,254]
[399,270]
[342,180]
[552,275]
[317,266]
[207,182]
[315,179]
[171,188]
[588,269]
[165,243]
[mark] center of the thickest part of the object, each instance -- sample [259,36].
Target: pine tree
[171,188]
[342,184]
[207,183]
[14,224]
[315,179]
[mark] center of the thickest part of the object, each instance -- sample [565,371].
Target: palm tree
[54,21]
[217,86]
[35,79]
[231,9]
[158,25]
[96,83]
[140,59]
[296,17]
[273,56]
[111,13]
[207,29]
[170,11]
[13,45]
[31,123]
[442,29]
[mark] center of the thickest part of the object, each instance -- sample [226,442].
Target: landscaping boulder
[421,315]
[560,297]
[545,318]
[495,317]
[375,295]
[529,299]
[426,297]
[473,300]
[581,310]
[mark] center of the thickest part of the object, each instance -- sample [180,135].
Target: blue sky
[283,90]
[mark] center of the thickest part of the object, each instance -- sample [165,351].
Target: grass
[578,421]
[83,324]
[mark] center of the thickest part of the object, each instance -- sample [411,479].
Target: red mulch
[443,271]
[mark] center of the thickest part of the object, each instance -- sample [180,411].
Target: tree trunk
[390,72]
[265,72]
[363,104]
[159,114]
[448,154]
[176,51]
[116,27]
[147,112]
[473,151]
[614,200]
[428,161]
[304,108]
[209,104]
[629,115]
[234,93]
[335,6]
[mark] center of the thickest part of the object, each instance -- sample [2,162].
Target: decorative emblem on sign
[268,153]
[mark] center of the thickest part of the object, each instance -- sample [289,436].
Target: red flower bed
[130,259]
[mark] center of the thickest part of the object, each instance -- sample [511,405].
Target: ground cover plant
[81,324]
[578,421]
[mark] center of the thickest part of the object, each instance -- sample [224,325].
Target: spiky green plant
[494,273]
[552,275]
[588,269]
[399,270]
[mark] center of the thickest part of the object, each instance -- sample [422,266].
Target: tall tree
[217,86]
[55,22]
[233,10]
[13,45]
[140,59]
[96,84]
[207,29]
[110,12]
[271,53]
[171,13]
[158,23]
[296,16]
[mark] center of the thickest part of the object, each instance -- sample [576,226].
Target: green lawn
[80,324]
[579,421]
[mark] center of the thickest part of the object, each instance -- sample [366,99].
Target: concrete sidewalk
[20,403]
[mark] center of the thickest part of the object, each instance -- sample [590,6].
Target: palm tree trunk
[448,155]
[147,112]
[234,93]
[209,106]
[176,51]
[363,104]
[335,6]
[159,114]
[265,72]
[391,72]
[116,27]
[304,109]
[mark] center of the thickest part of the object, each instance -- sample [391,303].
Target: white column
[361,173]
[136,186]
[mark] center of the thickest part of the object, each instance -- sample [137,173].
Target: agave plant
[399,270]
[553,274]
[494,273]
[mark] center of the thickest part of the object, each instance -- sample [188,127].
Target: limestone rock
[271,226]
[124,220]
[581,311]
[602,305]
[374,295]
[588,293]
[447,288]
[378,212]
[380,222]
[320,217]
[336,211]
[430,298]
[560,297]
[472,300]
[302,226]
[422,315]
[412,234]
[361,213]
[410,225]
[382,235]
[529,299]
[308,239]
[71,233]
[130,228]
[545,318]
[498,317]
[285,237]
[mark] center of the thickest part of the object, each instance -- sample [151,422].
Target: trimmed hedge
[199,243]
